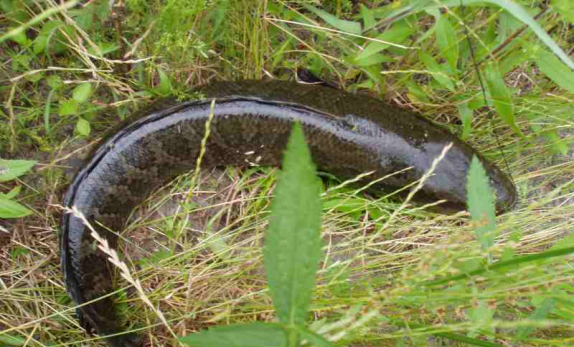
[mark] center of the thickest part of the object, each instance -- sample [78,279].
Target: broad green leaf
[164,87]
[40,43]
[367,15]
[292,240]
[481,204]
[83,127]
[10,169]
[437,71]
[374,59]
[341,24]
[395,34]
[82,92]
[68,108]
[239,335]
[555,70]
[21,39]
[12,209]
[501,97]
[447,41]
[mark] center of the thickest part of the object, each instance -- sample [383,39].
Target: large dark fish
[348,135]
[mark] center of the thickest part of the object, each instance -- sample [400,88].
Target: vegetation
[495,72]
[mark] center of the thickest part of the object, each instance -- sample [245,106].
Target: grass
[200,260]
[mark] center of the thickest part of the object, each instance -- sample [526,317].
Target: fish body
[251,121]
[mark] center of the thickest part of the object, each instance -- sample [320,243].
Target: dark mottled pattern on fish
[348,135]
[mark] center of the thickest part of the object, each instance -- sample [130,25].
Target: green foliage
[555,70]
[10,170]
[292,251]
[481,204]
[413,52]
[500,97]
[292,241]
[245,335]
[10,340]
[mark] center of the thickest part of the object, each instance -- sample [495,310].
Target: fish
[249,124]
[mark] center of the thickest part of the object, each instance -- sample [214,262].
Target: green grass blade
[451,336]
[506,263]
[46,14]
[481,204]
[239,335]
[292,240]
[468,340]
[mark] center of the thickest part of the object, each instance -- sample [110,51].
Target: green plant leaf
[239,335]
[12,209]
[447,41]
[164,87]
[374,59]
[82,92]
[12,193]
[555,70]
[557,143]
[68,108]
[83,127]
[500,96]
[11,340]
[565,8]
[541,312]
[292,240]
[54,81]
[437,71]
[481,204]
[517,11]
[10,168]
[37,19]
[395,34]
[516,261]
[341,24]
[367,15]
